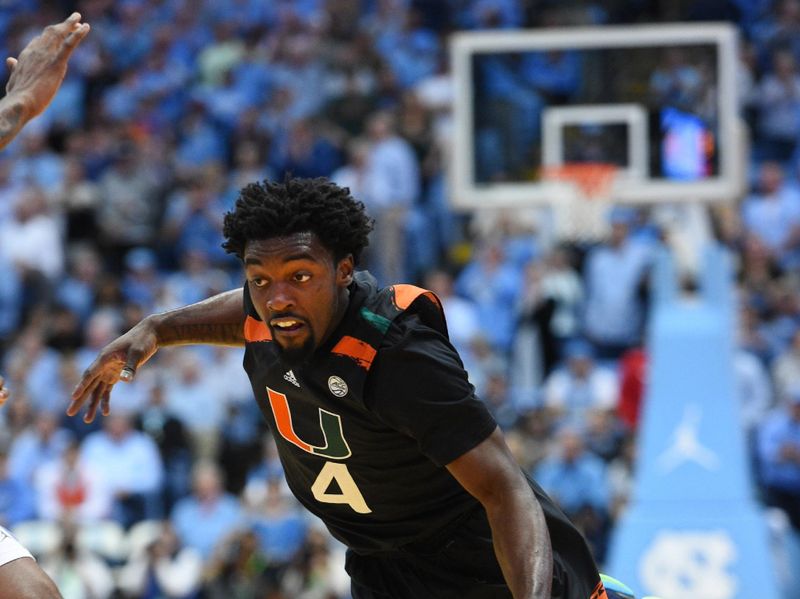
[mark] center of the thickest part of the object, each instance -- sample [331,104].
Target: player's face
[298,290]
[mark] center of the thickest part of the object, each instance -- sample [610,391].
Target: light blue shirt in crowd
[29,451]
[777,430]
[613,311]
[132,464]
[771,219]
[203,526]
[575,484]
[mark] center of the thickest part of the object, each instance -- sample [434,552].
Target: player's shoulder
[412,310]
[395,315]
[404,329]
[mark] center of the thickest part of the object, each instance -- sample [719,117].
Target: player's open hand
[4,394]
[38,72]
[116,362]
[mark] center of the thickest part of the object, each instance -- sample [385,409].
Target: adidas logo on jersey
[289,376]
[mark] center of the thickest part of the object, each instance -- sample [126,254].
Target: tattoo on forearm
[11,121]
[221,334]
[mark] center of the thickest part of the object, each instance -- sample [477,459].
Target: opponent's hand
[38,72]
[116,362]
[4,394]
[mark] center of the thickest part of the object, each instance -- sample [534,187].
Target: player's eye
[302,277]
[258,282]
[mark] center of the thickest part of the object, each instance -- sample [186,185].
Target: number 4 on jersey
[350,494]
[335,447]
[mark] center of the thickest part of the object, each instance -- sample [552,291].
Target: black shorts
[460,566]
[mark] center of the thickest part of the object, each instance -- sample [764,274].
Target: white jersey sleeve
[10,548]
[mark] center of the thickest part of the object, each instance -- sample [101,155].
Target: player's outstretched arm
[519,530]
[218,320]
[37,74]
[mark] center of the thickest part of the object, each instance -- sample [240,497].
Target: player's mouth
[287,325]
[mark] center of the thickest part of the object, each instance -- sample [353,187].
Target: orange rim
[594,179]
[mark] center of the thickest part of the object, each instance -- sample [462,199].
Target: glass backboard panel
[681,77]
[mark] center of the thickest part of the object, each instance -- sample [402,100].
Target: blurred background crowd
[111,206]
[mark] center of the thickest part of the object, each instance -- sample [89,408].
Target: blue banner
[693,529]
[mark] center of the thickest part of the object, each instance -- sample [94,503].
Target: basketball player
[379,431]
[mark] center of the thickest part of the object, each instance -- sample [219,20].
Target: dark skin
[37,74]
[297,288]
[301,292]
[35,78]
[22,578]
[519,531]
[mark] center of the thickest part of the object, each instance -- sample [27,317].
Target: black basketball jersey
[371,467]
[366,426]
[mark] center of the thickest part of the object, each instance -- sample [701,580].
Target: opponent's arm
[519,531]
[218,320]
[37,74]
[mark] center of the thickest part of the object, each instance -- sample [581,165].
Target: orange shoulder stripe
[404,295]
[363,353]
[256,330]
[599,592]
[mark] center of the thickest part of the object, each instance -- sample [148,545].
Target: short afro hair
[269,209]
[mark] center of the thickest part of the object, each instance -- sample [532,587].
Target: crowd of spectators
[111,206]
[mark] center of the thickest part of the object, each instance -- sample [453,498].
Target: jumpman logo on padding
[686,446]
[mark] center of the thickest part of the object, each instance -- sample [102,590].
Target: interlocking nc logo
[696,564]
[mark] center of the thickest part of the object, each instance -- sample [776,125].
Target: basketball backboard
[657,101]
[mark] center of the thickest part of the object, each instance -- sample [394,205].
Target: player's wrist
[154,325]
[23,103]
[16,109]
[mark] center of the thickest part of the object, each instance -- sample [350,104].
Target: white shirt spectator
[31,239]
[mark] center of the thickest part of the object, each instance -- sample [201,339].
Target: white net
[582,215]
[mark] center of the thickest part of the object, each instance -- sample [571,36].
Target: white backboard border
[468,194]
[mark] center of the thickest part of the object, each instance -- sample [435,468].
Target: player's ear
[344,271]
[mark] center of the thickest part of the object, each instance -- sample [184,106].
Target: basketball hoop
[582,218]
[593,179]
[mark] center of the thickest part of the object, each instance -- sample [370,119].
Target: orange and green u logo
[335,448]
